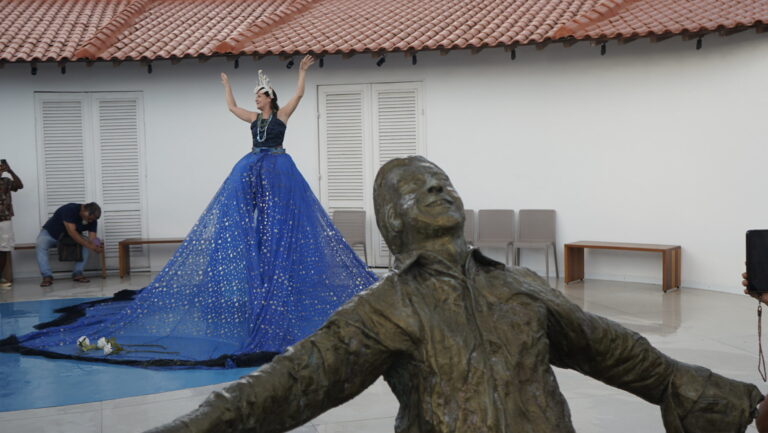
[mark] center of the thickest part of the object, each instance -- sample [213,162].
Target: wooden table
[124,254]
[670,259]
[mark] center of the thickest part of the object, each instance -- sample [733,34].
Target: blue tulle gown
[261,269]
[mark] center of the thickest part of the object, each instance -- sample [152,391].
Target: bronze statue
[465,343]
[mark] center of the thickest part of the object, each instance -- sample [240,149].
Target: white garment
[7,241]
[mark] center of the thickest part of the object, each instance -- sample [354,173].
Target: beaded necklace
[262,130]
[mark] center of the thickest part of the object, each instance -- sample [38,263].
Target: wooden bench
[670,259]
[8,271]
[124,253]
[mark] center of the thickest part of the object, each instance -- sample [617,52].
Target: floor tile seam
[748,352]
[113,403]
[611,307]
[110,403]
[157,395]
[27,416]
[710,339]
[101,419]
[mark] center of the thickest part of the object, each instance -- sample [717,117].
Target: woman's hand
[224,79]
[306,62]
[286,110]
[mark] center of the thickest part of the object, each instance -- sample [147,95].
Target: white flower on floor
[101,343]
[84,343]
[107,348]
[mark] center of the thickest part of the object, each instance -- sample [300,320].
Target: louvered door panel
[62,142]
[119,143]
[397,133]
[343,142]
[119,225]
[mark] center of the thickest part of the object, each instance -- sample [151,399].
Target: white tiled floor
[713,329]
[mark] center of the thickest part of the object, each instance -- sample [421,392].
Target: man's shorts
[6,236]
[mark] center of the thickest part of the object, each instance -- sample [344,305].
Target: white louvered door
[62,142]
[119,149]
[63,157]
[361,128]
[397,133]
[343,147]
[91,149]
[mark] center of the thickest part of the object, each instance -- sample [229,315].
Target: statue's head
[414,201]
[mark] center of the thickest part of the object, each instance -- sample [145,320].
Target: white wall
[652,143]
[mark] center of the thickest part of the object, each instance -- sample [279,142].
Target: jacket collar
[432,260]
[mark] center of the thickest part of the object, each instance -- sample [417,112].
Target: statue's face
[427,200]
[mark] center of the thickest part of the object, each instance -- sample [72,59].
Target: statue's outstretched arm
[692,398]
[322,371]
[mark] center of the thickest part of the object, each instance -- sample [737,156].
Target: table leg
[123,259]
[670,269]
[574,263]
[103,262]
[678,266]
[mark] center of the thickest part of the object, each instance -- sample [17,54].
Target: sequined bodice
[270,135]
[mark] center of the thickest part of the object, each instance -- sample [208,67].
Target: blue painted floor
[30,382]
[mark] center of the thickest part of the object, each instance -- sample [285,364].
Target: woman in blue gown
[261,269]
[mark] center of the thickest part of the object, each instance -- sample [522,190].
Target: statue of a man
[465,343]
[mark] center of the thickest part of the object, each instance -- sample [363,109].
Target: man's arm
[16,181]
[72,232]
[692,398]
[322,371]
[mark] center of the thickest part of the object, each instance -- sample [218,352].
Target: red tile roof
[55,30]
[630,18]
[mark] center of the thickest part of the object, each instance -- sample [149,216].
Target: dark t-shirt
[70,213]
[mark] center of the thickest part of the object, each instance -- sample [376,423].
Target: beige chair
[469,226]
[496,228]
[351,225]
[536,229]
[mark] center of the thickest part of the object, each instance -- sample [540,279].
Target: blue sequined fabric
[262,268]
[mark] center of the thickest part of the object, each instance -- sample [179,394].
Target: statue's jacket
[469,350]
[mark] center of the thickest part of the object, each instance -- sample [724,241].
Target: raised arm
[242,113]
[286,110]
[15,180]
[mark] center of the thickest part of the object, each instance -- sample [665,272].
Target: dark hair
[274,105]
[93,209]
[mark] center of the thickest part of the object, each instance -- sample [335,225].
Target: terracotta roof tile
[33,30]
[50,30]
[630,18]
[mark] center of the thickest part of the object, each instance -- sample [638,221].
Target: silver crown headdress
[264,85]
